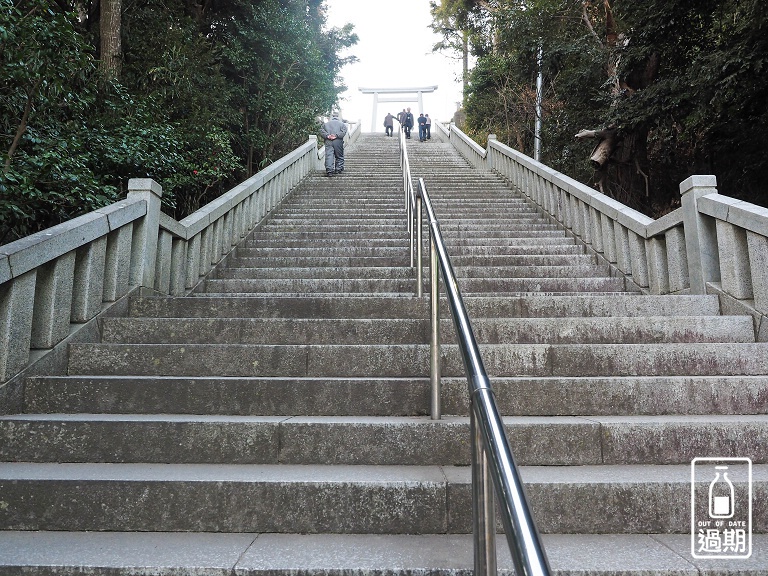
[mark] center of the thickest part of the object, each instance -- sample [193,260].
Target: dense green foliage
[681,86]
[208,92]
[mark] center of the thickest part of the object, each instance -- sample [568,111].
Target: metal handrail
[412,207]
[492,460]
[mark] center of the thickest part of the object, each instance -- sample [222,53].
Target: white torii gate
[415,95]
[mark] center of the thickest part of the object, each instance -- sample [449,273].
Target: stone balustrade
[58,280]
[711,244]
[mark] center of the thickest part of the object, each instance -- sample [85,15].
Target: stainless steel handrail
[492,459]
[412,208]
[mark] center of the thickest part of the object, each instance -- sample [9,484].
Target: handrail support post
[434,348]
[483,506]
[419,250]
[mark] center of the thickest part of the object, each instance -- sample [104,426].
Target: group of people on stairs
[405,118]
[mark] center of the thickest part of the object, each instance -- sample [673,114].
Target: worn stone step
[484,260]
[526,396]
[260,239]
[315,272]
[517,250]
[601,330]
[506,272]
[223,498]
[537,239]
[617,395]
[369,440]
[479,236]
[347,226]
[537,306]
[619,499]
[543,244]
[409,360]
[312,285]
[332,241]
[191,439]
[171,553]
[326,222]
[329,306]
[469,286]
[607,499]
[361,219]
[236,396]
[292,261]
[349,250]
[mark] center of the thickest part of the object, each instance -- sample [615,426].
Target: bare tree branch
[588,22]
[22,125]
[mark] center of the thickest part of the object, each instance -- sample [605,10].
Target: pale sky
[395,51]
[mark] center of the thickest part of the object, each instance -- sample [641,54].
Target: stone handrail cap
[142,184]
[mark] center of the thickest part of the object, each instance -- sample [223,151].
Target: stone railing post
[145,232]
[489,154]
[700,234]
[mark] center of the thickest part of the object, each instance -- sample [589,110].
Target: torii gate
[417,98]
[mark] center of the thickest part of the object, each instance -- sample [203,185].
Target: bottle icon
[721,496]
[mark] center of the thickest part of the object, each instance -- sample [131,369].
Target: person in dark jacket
[333,133]
[408,123]
[389,122]
[422,128]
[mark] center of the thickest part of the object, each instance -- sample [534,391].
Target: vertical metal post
[434,347]
[483,510]
[419,250]
[411,224]
[539,98]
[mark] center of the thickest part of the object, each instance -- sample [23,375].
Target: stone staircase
[275,421]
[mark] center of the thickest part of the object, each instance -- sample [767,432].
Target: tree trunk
[620,158]
[110,28]
[464,67]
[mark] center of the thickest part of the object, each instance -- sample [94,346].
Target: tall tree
[666,88]
[110,31]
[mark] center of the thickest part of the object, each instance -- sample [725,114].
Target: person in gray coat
[333,133]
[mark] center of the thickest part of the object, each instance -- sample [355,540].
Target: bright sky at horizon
[394,55]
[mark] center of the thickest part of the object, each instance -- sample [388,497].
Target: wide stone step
[310,236]
[171,553]
[333,241]
[562,271]
[409,360]
[320,261]
[379,441]
[282,307]
[526,396]
[235,271]
[517,250]
[391,227]
[373,222]
[223,498]
[312,286]
[530,231]
[481,260]
[617,396]
[314,272]
[628,330]
[350,250]
[477,307]
[471,286]
[235,396]
[618,499]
